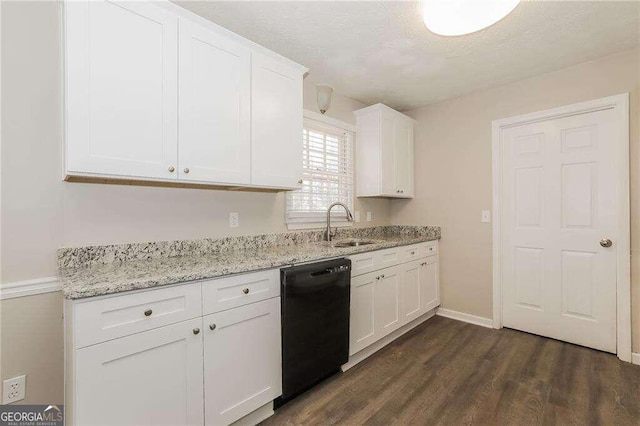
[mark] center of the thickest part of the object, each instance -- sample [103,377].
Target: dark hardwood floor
[446,372]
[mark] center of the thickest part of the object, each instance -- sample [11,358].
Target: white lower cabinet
[242,361]
[149,378]
[384,300]
[171,365]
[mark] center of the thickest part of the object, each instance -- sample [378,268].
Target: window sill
[317,225]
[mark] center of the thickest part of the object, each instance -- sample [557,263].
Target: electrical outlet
[486,216]
[13,389]
[368,216]
[357,216]
[234,220]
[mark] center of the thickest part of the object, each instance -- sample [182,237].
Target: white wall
[454,180]
[41,213]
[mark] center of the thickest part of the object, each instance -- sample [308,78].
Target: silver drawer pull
[245,291]
[196,330]
[148,313]
[413,252]
[212,326]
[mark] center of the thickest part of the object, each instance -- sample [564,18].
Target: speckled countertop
[100,270]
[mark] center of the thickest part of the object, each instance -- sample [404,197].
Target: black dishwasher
[315,323]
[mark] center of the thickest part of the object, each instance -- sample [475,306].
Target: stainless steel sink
[350,243]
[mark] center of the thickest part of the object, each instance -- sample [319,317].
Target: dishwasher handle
[323,272]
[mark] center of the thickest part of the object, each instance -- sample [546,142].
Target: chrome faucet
[349,217]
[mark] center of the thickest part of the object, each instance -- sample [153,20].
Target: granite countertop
[97,276]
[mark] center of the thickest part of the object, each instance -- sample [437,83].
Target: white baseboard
[375,347]
[461,316]
[29,287]
[635,358]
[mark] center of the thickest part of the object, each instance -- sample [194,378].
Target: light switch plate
[13,389]
[486,216]
[368,216]
[234,220]
[357,216]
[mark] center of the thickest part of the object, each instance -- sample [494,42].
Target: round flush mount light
[458,17]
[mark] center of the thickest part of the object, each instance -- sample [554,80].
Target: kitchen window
[327,176]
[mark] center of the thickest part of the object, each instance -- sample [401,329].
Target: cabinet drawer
[112,317]
[238,290]
[363,263]
[418,251]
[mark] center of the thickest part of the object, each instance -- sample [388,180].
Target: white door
[242,360]
[214,107]
[559,202]
[276,123]
[410,291]
[121,89]
[403,140]
[362,322]
[387,301]
[389,181]
[429,284]
[150,378]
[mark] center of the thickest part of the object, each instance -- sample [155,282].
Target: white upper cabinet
[121,90]
[214,107]
[384,153]
[276,138]
[154,92]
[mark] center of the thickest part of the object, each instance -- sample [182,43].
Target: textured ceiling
[382,52]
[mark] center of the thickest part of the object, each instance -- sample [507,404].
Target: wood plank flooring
[447,372]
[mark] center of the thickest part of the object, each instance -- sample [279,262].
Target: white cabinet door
[121,89]
[214,107]
[388,171]
[387,301]
[429,284]
[362,323]
[412,300]
[242,360]
[150,378]
[403,144]
[276,123]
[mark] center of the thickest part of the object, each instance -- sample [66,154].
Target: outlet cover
[234,220]
[368,216]
[357,216]
[13,389]
[486,216]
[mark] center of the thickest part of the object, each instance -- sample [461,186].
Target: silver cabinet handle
[196,330]
[212,326]
[378,277]
[300,181]
[186,170]
[382,276]
[245,291]
[413,252]
[172,169]
[148,313]
[605,242]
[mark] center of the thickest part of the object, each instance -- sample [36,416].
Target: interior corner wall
[453,163]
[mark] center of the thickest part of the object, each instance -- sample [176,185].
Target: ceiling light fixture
[458,17]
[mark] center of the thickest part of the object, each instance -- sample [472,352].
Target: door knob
[245,291]
[148,312]
[186,170]
[212,326]
[196,330]
[605,242]
[172,169]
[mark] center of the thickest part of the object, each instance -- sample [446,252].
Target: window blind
[327,175]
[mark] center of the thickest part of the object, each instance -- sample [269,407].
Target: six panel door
[559,202]
[242,360]
[276,123]
[121,89]
[150,378]
[214,107]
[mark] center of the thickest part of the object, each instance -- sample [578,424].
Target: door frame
[620,105]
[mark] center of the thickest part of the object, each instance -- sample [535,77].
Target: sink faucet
[349,217]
